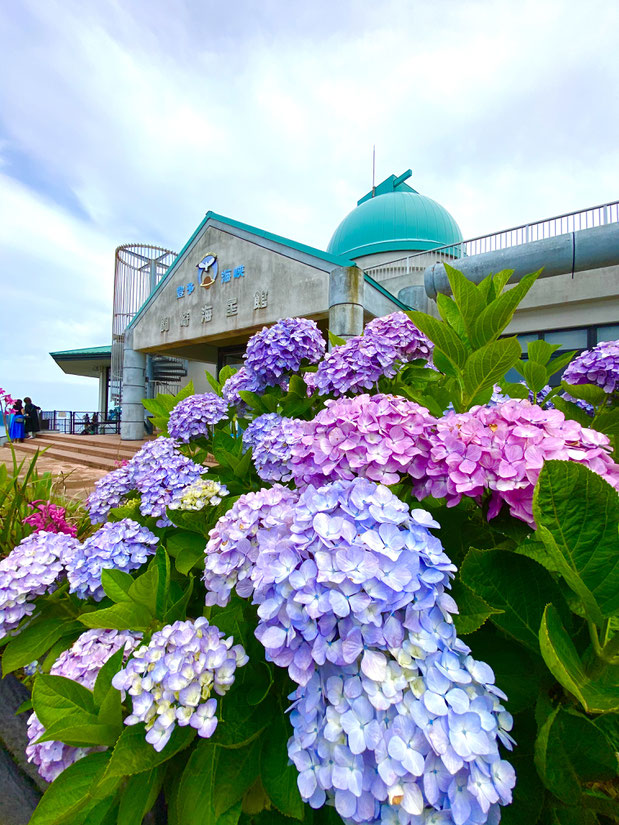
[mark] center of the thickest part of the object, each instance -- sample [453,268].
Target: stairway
[102,452]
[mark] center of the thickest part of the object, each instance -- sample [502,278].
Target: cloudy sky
[127,121]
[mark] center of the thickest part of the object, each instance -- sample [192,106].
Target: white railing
[516,236]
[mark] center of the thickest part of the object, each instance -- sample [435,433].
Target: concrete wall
[273,286]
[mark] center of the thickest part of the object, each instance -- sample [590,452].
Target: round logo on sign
[208,271]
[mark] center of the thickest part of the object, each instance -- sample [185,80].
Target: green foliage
[161,407]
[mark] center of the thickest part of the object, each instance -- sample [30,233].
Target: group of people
[24,420]
[91,425]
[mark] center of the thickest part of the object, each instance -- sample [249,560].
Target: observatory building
[177,315]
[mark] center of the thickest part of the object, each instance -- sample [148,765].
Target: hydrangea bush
[375,585]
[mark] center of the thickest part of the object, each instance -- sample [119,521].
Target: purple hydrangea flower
[196,415]
[232,547]
[502,449]
[271,437]
[170,680]
[30,570]
[282,348]
[110,491]
[381,437]
[242,380]
[120,545]
[599,366]
[82,663]
[358,364]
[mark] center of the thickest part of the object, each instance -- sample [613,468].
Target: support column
[346,301]
[133,391]
[102,408]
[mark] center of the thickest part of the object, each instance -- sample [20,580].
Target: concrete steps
[103,452]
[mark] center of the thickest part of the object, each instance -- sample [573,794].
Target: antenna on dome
[373,170]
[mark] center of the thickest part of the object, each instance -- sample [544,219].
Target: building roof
[393,217]
[88,352]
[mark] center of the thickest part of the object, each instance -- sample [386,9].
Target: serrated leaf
[188,549]
[500,280]
[489,364]
[468,299]
[577,513]
[279,778]
[68,794]
[553,764]
[541,351]
[33,641]
[124,616]
[450,313]
[195,801]
[140,795]
[560,362]
[178,610]
[79,733]
[518,587]
[607,422]
[496,316]
[514,390]
[215,384]
[534,374]
[441,335]
[235,773]
[103,683]
[336,340]
[472,610]
[133,754]
[564,663]
[116,584]
[55,697]
[572,411]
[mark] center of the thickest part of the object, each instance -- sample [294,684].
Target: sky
[127,121]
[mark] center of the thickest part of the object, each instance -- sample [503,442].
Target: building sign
[261,299]
[207,271]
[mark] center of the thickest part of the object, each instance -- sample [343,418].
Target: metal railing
[516,236]
[79,422]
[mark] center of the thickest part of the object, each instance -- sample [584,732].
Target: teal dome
[394,218]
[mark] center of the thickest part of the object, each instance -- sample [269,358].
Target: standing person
[17,426]
[31,412]
[95,423]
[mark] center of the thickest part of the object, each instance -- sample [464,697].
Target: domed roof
[392,218]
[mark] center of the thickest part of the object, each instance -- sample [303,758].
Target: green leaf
[607,422]
[178,610]
[513,584]
[541,351]
[562,660]
[69,793]
[33,641]
[529,793]
[278,777]
[75,731]
[143,590]
[473,610]
[450,313]
[116,584]
[591,753]
[468,299]
[496,316]
[335,340]
[195,804]
[514,390]
[161,563]
[586,392]
[105,676]
[235,773]
[215,385]
[553,764]
[139,796]
[489,364]
[231,816]
[133,754]
[500,281]
[55,697]
[123,616]
[534,374]
[577,513]
[560,362]
[442,336]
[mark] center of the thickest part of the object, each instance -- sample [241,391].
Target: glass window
[608,333]
[568,338]
[523,340]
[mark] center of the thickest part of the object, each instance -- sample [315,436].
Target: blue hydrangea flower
[120,545]
[171,679]
[283,348]
[30,570]
[242,380]
[81,663]
[271,437]
[110,491]
[196,415]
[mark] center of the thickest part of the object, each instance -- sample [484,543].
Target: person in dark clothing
[31,412]
[95,423]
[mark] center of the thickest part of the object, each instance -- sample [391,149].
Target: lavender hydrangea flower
[502,449]
[599,366]
[30,570]
[393,717]
[200,494]
[381,437]
[358,364]
[242,380]
[271,437]
[196,415]
[82,663]
[171,679]
[157,471]
[282,348]
[120,545]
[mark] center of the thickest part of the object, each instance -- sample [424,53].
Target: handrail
[601,215]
